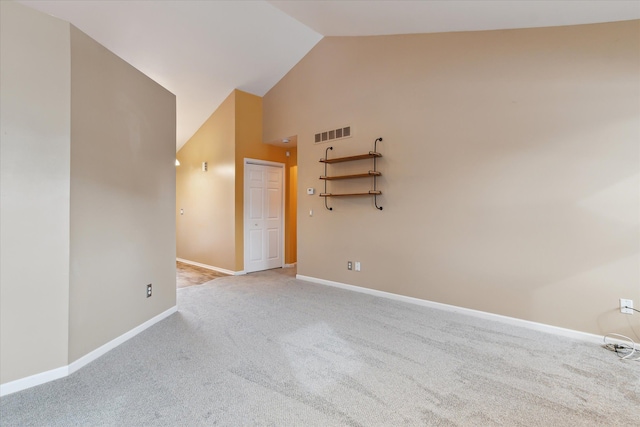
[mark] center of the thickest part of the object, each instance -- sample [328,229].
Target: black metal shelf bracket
[326,156]
[375,177]
[375,202]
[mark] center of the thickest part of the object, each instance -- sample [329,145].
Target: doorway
[263,215]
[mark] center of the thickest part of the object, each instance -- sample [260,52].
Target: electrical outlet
[626,303]
[148,290]
[357,265]
[349,265]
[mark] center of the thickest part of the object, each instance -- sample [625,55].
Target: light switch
[311,191]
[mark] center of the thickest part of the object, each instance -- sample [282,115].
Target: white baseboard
[90,357]
[63,371]
[289,265]
[567,333]
[211,267]
[33,380]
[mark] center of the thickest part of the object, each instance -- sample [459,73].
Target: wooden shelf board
[370,193]
[369,155]
[358,175]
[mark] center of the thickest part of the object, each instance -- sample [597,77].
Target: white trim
[63,371]
[33,380]
[249,161]
[90,357]
[211,267]
[568,333]
[293,264]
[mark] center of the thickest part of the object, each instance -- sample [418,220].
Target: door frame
[250,161]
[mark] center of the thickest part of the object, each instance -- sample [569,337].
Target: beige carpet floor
[266,349]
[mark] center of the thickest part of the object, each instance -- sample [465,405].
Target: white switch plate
[310,191]
[357,265]
[626,303]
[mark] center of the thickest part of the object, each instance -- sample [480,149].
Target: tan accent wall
[510,170]
[211,229]
[291,218]
[205,232]
[249,145]
[34,207]
[122,197]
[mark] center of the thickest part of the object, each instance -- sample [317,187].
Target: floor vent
[332,135]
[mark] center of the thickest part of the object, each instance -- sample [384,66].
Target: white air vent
[332,135]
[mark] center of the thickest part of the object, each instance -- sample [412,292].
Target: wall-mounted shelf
[370,193]
[371,155]
[358,175]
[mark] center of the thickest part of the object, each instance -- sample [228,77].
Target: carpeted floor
[267,349]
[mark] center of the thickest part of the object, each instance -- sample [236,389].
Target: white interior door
[263,217]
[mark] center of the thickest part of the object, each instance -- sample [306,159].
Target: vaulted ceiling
[202,50]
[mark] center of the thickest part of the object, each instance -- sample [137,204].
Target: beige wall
[88,190]
[211,229]
[205,233]
[122,197]
[34,211]
[510,170]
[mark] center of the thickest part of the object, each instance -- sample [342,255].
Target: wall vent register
[374,174]
[332,135]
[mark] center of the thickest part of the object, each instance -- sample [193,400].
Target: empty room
[394,212]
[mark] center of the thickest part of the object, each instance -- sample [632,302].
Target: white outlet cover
[311,191]
[626,303]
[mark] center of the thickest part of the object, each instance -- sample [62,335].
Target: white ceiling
[202,50]
[360,18]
